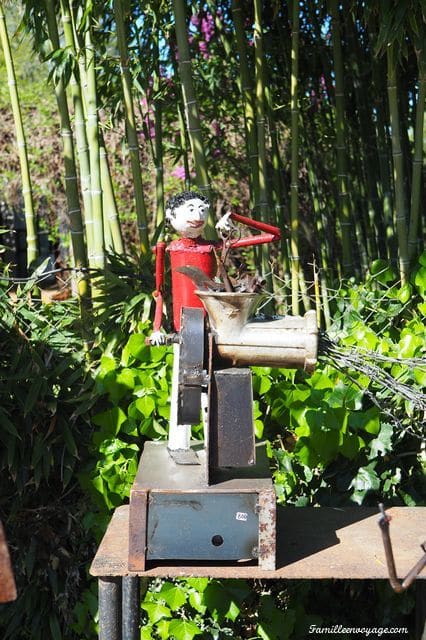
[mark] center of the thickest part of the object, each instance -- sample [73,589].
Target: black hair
[180,198]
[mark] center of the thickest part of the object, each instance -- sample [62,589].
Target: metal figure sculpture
[212,500]
[187,213]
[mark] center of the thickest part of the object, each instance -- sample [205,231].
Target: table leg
[110,608]
[420,610]
[131,604]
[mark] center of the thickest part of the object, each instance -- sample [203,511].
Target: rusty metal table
[312,543]
[7,580]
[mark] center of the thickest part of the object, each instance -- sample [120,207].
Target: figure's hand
[227,229]
[157,338]
[225,223]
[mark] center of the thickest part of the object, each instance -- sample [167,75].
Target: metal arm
[396,585]
[269,233]
[159,251]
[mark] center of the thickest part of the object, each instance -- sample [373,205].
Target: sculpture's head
[187,212]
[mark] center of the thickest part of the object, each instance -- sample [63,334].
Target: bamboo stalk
[182,128]
[121,11]
[108,242]
[97,254]
[398,166]
[30,220]
[383,151]
[294,183]
[185,148]
[321,247]
[79,123]
[192,115]
[277,186]
[275,180]
[367,137]
[112,228]
[341,159]
[262,204]
[247,96]
[158,128]
[416,183]
[71,186]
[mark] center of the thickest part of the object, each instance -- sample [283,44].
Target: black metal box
[231,432]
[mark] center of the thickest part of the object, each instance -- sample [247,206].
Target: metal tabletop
[312,543]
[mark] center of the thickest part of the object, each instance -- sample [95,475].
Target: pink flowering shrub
[216,128]
[202,31]
[179,172]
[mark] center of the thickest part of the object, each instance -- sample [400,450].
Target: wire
[43,276]
[344,359]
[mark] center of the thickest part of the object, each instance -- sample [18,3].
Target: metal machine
[216,502]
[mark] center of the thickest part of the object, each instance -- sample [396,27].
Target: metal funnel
[229,312]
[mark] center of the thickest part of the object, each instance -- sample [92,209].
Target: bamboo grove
[309,115]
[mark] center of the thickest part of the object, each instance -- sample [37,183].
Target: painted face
[190,218]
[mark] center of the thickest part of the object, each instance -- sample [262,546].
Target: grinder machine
[216,503]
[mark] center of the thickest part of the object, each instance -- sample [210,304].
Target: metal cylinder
[186,252]
[242,340]
[130,608]
[109,608]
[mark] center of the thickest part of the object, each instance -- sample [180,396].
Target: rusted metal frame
[110,612]
[137,529]
[267,529]
[396,585]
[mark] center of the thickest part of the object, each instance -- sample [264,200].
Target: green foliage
[212,608]
[50,392]
[339,436]
[132,388]
[42,366]
[42,432]
[267,610]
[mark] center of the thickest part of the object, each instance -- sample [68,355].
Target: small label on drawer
[240,515]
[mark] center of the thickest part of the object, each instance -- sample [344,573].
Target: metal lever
[396,585]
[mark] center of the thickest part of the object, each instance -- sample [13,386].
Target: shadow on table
[304,531]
